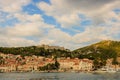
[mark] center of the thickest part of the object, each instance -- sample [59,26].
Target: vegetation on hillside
[100,52]
[50,66]
[34,50]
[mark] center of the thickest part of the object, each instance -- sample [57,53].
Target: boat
[106,70]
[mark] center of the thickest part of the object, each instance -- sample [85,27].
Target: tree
[114,61]
[2,61]
[57,65]
[96,64]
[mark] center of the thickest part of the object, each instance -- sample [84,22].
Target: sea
[60,76]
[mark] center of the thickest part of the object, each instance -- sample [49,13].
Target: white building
[85,65]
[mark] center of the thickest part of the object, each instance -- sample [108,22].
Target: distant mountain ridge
[107,48]
[42,50]
[99,52]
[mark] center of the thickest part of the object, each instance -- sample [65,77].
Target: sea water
[60,76]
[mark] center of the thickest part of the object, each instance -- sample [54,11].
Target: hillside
[46,51]
[100,52]
[106,46]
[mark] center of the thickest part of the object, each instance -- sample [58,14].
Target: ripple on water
[59,76]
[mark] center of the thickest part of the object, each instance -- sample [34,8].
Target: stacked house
[9,63]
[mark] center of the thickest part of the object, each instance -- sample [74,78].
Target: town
[17,63]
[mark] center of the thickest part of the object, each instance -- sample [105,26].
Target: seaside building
[51,47]
[76,64]
[32,63]
[110,65]
[85,65]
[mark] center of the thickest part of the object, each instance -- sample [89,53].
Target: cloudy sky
[68,23]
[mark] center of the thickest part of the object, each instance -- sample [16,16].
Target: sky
[69,23]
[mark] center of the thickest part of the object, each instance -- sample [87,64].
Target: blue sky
[68,23]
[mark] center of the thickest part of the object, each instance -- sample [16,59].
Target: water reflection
[46,78]
[59,76]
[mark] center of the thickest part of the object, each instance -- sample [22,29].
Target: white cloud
[59,35]
[60,13]
[91,34]
[12,6]
[28,18]
[31,26]
[68,14]
[69,20]
[15,42]
[47,42]
[28,26]
[29,29]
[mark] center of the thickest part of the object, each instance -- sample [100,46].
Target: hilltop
[105,46]
[99,52]
[42,50]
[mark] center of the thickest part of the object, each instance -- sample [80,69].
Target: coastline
[58,72]
[48,71]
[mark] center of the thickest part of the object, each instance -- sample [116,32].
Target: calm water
[59,76]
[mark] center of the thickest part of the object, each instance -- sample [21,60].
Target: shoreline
[94,72]
[47,72]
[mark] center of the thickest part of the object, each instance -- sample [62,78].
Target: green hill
[46,51]
[100,52]
[106,46]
